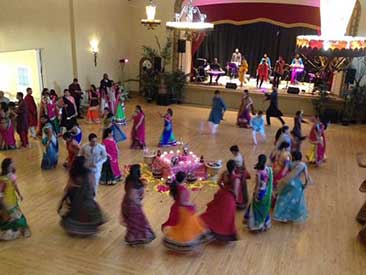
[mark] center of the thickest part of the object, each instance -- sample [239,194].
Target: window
[23,77]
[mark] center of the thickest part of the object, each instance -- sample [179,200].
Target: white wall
[44,24]
[107,21]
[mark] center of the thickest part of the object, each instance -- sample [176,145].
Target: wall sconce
[123,60]
[94,49]
[150,22]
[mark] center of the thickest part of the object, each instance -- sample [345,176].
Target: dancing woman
[243,120]
[50,142]
[318,143]
[296,132]
[93,110]
[69,111]
[184,230]
[52,113]
[138,129]
[111,172]
[291,204]
[72,147]
[281,162]
[13,223]
[220,213]
[257,215]
[242,199]
[138,229]
[120,110]
[82,216]
[109,122]
[6,128]
[167,137]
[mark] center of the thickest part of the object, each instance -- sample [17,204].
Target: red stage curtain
[285,15]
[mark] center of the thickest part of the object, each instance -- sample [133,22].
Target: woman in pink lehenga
[138,129]
[113,152]
[6,129]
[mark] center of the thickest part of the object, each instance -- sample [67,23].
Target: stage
[201,93]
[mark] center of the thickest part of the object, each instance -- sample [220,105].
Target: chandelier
[190,19]
[150,22]
[335,15]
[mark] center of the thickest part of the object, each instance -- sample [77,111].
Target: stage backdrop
[252,40]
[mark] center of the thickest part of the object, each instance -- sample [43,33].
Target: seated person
[215,67]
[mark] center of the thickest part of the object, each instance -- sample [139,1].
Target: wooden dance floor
[325,244]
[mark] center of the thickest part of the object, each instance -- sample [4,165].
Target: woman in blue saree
[49,140]
[291,204]
[257,215]
[167,137]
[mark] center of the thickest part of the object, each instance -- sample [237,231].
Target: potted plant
[150,84]
[176,82]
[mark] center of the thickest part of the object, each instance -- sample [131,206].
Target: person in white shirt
[257,124]
[95,155]
[3,98]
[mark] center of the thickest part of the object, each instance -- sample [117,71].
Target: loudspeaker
[293,90]
[350,76]
[157,64]
[181,46]
[230,85]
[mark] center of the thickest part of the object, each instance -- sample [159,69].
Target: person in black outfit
[106,83]
[297,132]
[76,93]
[273,110]
[68,111]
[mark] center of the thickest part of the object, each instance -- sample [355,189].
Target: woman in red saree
[184,230]
[138,129]
[220,213]
[138,229]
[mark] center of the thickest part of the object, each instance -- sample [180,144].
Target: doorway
[20,70]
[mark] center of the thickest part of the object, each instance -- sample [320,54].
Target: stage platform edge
[202,95]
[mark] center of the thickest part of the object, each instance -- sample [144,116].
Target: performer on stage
[279,70]
[267,59]
[215,67]
[297,67]
[262,73]
[236,57]
[243,69]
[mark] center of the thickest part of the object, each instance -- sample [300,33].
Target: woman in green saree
[257,215]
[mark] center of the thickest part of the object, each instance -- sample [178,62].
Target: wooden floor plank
[325,244]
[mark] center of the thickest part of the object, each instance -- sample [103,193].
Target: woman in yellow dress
[13,224]
[243,69]
[184,231]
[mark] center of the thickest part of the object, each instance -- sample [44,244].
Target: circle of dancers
[281,177]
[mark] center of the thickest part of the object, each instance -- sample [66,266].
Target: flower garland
[160,186]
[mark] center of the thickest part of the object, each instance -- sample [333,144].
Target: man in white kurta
[95,155]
